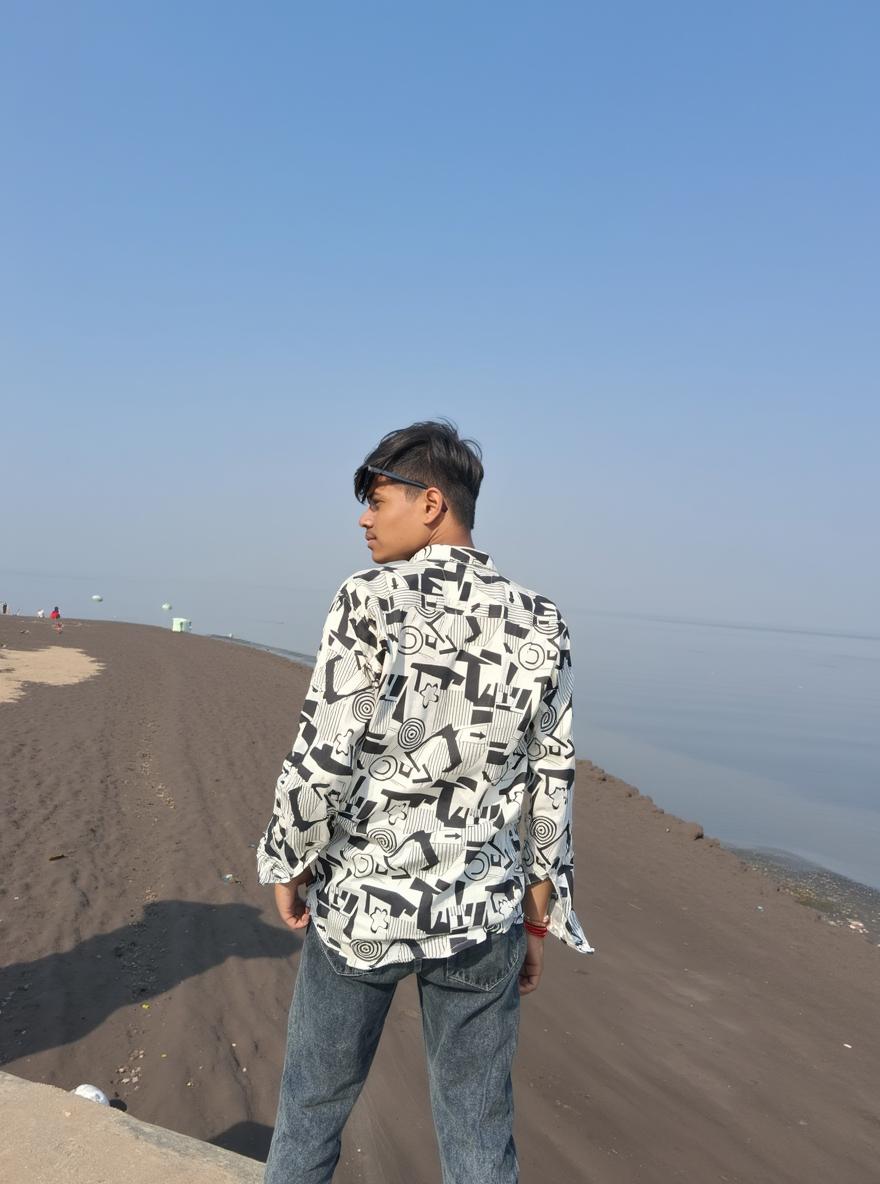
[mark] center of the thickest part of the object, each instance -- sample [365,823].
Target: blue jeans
[470,1019]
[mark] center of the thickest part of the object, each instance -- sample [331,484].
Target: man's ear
[435,504]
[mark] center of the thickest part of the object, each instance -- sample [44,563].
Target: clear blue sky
[632,248]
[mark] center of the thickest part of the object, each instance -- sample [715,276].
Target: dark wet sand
[707,1040]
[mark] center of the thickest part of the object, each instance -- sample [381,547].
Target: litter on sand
[92,1093]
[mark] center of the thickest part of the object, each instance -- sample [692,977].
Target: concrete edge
[52,1135]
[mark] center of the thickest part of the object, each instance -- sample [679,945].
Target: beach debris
[145,1006]
[760,908]
[856,925]
[92,1093]
[98,598]
[847,1045]
[229,878]
[60,855]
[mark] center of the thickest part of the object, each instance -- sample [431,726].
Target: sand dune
[721,1033]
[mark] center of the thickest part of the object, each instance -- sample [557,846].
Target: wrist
[535,927]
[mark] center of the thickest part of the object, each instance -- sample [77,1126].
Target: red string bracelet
[536,928]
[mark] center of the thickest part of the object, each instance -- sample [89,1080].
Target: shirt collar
[443,553]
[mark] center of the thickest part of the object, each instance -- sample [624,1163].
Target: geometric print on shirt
[432,772]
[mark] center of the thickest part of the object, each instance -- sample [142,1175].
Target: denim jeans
[470,1020]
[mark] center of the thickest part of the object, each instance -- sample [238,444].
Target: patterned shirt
[438,720]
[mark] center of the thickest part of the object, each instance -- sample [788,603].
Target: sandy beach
[723,1031]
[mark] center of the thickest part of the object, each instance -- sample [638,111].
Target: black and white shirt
[438,718]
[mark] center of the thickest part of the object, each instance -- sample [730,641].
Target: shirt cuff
[563,921]
[272,869]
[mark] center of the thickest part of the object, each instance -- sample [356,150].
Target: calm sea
[769,738]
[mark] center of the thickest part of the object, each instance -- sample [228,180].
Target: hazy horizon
[84,608]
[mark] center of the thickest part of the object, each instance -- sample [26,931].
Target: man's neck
[457,537]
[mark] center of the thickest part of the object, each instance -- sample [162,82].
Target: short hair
[432,452]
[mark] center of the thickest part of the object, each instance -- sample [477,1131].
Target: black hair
[432,452]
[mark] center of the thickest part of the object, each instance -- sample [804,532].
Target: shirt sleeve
[317,772]
[548,850]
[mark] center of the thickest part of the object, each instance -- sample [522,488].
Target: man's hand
[533,966]
[291,909]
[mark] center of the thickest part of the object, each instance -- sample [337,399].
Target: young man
[438,717]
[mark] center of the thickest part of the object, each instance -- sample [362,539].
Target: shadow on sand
[60,998]
[246,1138]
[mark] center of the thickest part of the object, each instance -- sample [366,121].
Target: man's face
[394,523]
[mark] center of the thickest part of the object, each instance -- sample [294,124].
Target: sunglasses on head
[395,477]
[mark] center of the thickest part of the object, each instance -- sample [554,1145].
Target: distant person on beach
[4,608]
[55,615]
[438,717]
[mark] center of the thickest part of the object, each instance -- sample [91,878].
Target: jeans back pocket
[486,966]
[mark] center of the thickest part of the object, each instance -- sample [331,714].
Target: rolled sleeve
[316,774]
[548,852]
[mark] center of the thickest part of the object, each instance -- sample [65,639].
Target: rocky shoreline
[839,900]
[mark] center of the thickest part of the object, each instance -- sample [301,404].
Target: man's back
[440,706]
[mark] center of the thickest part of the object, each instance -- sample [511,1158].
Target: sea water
[767,737]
